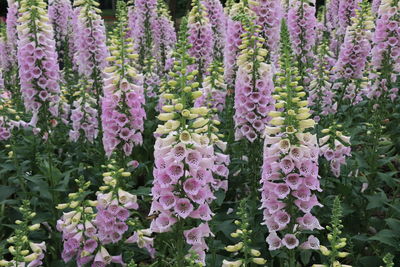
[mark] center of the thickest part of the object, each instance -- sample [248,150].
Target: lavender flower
[269,15]
[302,25]
[200,37]
[216,16]
[38,66]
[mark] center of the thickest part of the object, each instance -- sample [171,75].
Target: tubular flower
[332,11]
[165,36]
[213,89]
[60,14]
[253,87]
[353,54]
[200,37]
[84,115]
[216,16]
[4,56]
[38,67]
[290,168]
[90,37]
[189,160]
[12,34]
[269,15]
[123,103]
[375,6]
[335,147]
[386,51]
[302,25]
[234,30]
[346,11]
[143,24]
[23,251]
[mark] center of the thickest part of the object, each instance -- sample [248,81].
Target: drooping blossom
[188,159]
[12,34]
[216,16]
[352,60]
[200,37]
[60,14]
[38,67]
[386,52]
[269,15]
[165,37]
[123,112]
[302,24]
[335,148]
[234,30]
[253,88]
[290,168]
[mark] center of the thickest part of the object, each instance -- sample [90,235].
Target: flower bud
[259,261]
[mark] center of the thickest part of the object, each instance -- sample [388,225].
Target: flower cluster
[200,37]
[12,34]
[332,11]
[186,162]
[234,30]
[216,16]
[123,112]
[386,50]
[335,147]
[375,6]
[143,25]
[165,36]
[269,15]
[24,252]
[37,60]
[253,86]
[290,168]
[86,231]
[354,52]
[336,242]
[4,57]
[347,10]
[84,115]
[60,14]
[302,25]
[243,233]
[213,89]
[90,40]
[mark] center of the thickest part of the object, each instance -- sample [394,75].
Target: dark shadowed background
[178,7]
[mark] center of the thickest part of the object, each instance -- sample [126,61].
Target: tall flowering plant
[123,103]
[253,86]
[302,24]
[90,228]
[166,37]
[200,37]
[38,67]
[217,18]
[91,52]
[352,61]
[385,51]
[234,30]
[60,15]
[269,15]
[290,169]
[189,163]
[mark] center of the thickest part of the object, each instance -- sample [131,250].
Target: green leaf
[377,201]
[6,191]
[387,237]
